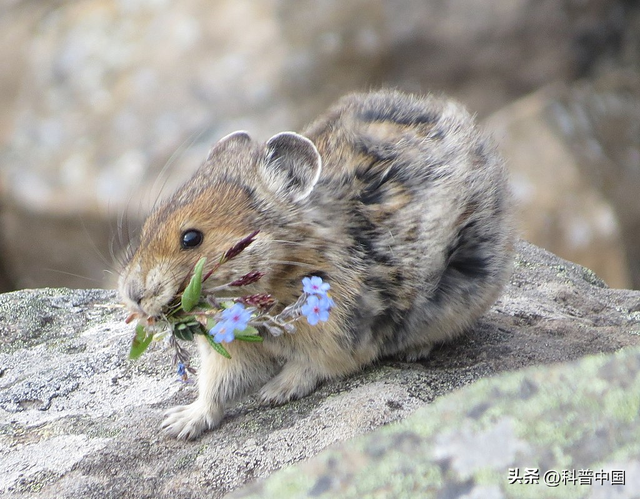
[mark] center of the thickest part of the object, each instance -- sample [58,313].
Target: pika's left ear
[291,166]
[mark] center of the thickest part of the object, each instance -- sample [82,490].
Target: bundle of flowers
[223,319]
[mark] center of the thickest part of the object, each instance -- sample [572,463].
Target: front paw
[187,422]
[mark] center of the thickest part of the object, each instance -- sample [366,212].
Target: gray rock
[78,419]
[567,430]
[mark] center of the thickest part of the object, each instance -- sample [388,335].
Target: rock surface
[575,426]
[77,419]
[99,95]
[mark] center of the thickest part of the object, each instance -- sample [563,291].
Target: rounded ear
[291,166]
[234,139]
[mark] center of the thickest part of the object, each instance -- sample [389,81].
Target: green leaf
[251,339]
[184,333]
[140,342]
[217,347]
[249,332]
[191,295]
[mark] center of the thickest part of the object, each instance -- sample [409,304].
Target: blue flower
[182,370]
[222,332]
[330,302]
[237,317]
[316,309]
[314,286]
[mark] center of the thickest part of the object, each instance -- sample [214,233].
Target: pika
[398,201]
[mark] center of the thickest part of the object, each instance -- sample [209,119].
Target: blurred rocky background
[108,104]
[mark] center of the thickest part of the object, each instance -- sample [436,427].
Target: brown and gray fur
[399,202]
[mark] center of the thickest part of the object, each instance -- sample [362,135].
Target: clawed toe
[187,422]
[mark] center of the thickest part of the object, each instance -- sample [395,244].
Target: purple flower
[316,309]
[239,247]
[314,286]
[247,279]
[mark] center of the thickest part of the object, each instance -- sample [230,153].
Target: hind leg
[302,373]
[296,380]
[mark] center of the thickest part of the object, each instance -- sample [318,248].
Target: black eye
[191,239]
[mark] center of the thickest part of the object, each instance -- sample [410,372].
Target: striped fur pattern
[398,201]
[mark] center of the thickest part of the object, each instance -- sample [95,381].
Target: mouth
[154,306]
[150,321]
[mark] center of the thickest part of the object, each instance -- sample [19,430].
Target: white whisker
[72,275]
